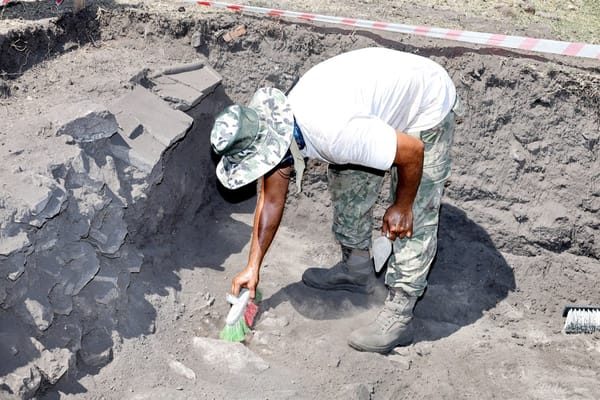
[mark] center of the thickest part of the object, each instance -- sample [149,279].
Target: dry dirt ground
[519,234]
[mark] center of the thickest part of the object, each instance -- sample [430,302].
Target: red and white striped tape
[488,39]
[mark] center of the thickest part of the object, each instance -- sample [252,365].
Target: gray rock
[84,121]
[22,382]
[64,333]
[229,357]
[203,80]
[197,39]
[39,313]
[53,364]
[181,96]
[143,152]
[42,198]
[81,263]
[96,348]
[104,289]
[108,229]
[12,267]
[11,244]
[141,107]
[181,369]
[402,360]
[131,258]
[61,303]
[356,391]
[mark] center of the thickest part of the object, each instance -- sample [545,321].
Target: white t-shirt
[349,106]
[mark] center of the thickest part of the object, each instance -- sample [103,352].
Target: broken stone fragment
[79,266]
[181,369]
[96,348]
[41,197]
[61,303]
[84,121]
[143,152]
[23,382]
[103,289]
[53,364]
[162,126]
[182,97]
[131,258]
[13,266]
[140,106]
[11,244]
[108,229]
[187,85]
[356,391]
[40,315]
[229,357]
[197,39]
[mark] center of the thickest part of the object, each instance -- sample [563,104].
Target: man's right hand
[248,279]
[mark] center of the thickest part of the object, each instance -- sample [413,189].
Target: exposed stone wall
[67,235]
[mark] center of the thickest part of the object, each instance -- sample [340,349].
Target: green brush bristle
[236,332]
[258,296]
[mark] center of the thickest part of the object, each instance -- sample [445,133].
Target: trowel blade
[382,249]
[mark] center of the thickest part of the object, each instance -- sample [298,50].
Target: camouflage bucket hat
[253,139]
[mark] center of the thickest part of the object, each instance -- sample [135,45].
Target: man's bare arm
[269,210]
[398,219]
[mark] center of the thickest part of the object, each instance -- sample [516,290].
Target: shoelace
[387,316]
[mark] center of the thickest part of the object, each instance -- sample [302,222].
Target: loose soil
[519,233]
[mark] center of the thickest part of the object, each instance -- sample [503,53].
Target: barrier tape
[488,39]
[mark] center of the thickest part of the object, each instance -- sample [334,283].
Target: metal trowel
[382,249]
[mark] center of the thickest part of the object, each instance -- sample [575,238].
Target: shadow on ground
[468,277]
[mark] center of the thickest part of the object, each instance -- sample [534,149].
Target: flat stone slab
[142,107]
[84,121]
[143,151]
[203,80]
[186,85]
[181,96]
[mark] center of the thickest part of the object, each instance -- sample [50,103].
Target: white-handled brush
[240,317]
[581,319]
[238,306]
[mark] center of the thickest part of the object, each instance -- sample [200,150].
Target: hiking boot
[392,326]
[353,273]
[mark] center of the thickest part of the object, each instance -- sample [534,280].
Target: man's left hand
[397,222]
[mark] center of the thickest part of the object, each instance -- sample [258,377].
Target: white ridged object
[582,320]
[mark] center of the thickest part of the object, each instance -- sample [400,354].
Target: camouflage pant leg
[354,191]
[409,265]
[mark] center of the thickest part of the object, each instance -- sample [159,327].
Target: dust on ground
[519,233]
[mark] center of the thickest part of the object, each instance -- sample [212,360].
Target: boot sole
[347,287]
[381,349]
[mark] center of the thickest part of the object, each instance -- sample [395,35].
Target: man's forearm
[269,210]
[409,160]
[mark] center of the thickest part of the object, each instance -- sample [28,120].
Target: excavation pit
[114,267]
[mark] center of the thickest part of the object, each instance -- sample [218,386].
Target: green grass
[569,20]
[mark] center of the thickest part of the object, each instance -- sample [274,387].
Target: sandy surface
[519,233]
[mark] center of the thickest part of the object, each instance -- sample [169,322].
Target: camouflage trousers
[354,191]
